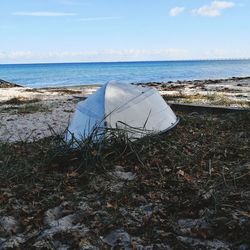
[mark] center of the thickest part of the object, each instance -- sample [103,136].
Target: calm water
[69,74]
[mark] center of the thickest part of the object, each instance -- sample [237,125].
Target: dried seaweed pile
[5,84]
[186,189]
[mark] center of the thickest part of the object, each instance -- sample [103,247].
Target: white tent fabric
[122,105]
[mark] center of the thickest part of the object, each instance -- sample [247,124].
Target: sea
[75,74]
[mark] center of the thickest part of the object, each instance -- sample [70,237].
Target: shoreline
[149,83]
[28,114]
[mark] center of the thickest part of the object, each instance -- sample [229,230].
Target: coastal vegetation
[20,100]
[20,105]
[188,188]
[210,99]
[185,189]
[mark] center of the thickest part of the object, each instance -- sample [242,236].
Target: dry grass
[199,170]
[211,99]
[20,101]
[66,91]
[27,109]
[32,108]
[21,105]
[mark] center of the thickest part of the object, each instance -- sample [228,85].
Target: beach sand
[30,114]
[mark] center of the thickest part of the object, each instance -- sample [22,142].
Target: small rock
[204,244]
[84,207]
[118,238]
[158,246]
[244,247]
[116,188]
[54,214]
[13,243]
[195,227]
[120,178]
[121,174]
[2,240]
[89,247]
[9,226]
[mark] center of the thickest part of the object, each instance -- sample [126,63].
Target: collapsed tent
[136,109]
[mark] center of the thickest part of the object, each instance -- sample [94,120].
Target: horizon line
[172,60]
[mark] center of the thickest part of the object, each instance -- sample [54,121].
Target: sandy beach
[28,114]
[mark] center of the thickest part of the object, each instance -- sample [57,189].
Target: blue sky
[123,30]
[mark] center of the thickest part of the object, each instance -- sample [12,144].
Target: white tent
[125,106]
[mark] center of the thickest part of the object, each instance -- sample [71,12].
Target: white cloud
[44,14]
[93,56]
[99,18]
[176,11]
[214,9]
[111,55]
